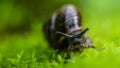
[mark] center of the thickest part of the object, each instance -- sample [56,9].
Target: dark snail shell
[64,31]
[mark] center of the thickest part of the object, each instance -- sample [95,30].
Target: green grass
[31,50]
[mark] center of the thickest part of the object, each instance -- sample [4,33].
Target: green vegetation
[27,47]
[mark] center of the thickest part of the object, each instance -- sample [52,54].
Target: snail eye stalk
[65,35]
[83,32]
[70,36]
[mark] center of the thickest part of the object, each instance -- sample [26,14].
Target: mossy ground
[31,50]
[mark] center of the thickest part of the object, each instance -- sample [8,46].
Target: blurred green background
[23,45]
